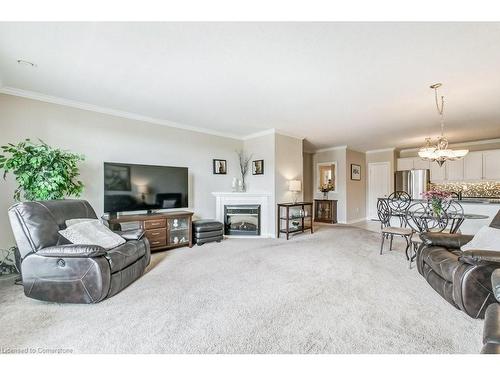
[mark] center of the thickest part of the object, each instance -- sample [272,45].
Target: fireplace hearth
[242,220]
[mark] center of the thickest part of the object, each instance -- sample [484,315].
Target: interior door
[378,186]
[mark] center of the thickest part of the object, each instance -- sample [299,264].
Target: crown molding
[380,150]
[270,131]
[259,134]
[343,147]
[109,111]
[470,143]
[286,134]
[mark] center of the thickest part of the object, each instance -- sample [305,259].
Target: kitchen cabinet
[405,164]
[421,164]
[455,170]
[473,166]
[438,173]
[491,165]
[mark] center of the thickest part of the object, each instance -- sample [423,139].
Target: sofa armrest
[448,240]
[495,283]
[491,330]
[480,257]
[133,234]
[72,251]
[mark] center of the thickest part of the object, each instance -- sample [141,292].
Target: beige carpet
[329,292]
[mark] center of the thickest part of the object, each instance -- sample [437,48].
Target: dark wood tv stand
[164,230]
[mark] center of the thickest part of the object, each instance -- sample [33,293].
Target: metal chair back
[421,218]
[399,201]
[455,213]
[384,213]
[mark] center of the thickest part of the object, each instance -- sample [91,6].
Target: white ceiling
[365,85]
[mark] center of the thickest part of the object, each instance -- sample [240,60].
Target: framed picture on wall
[355,172]
[258,167]
[220,166]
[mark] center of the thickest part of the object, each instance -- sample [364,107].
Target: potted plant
[42,172]
[437,200]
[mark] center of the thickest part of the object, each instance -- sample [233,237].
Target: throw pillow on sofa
[92,233]
[71,222]
[487,238]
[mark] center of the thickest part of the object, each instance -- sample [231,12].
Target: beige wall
[262,148]
[103,137]
[308,172]
[355,190]
[289,165]
[339,157]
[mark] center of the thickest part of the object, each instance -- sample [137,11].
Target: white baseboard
[353,221]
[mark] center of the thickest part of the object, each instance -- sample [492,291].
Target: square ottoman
[207,231]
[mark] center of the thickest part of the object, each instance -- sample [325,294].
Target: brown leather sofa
[55,270]
[491,333]
[463,278]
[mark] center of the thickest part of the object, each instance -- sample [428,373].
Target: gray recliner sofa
[463,278]
[491,333]
[55,270]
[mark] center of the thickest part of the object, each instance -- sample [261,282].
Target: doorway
[379,182]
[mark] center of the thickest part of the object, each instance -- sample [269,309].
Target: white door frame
[368,217]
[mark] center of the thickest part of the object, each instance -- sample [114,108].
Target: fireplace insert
[242,220]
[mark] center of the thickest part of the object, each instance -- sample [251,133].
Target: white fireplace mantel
[231,198]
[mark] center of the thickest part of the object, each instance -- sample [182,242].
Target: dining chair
[421,219]
[384,214]
[399,201]
[455,213]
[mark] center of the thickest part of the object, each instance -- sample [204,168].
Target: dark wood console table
[325,211]
[294,218]
[165,230]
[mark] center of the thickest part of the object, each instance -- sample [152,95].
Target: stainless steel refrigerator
[414,182]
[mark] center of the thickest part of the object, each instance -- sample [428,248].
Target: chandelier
[439,152]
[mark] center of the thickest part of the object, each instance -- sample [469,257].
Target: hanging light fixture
[440,151]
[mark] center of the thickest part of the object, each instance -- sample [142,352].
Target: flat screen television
[134,187]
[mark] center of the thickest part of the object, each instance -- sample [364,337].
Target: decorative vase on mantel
[235,185]
[325,195]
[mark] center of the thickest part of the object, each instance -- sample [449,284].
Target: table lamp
[143,190]
[295,186]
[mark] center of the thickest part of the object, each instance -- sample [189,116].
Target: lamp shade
[143,189]
[295,185]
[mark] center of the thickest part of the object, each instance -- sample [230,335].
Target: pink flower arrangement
[436,199]
[435,194]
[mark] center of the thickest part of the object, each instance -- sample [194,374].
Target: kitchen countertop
[480,200]
[469,200]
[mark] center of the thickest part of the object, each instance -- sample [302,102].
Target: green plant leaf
[42,172]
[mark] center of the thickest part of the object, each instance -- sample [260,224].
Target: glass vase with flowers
[325,188]
[437,200]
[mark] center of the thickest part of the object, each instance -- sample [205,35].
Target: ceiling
[365,85]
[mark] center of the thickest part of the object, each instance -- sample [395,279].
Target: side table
[294,218]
